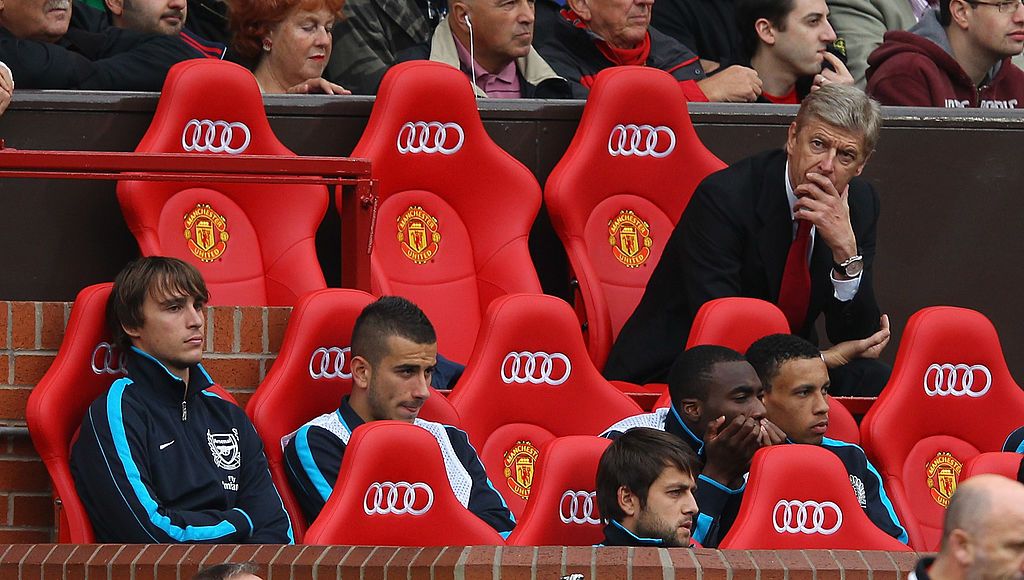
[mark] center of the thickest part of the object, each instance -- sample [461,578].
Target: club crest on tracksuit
[224,447]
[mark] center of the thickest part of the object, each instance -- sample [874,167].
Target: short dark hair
[945,16]
[227,571]
[389,316]
[768,354]
[150,275]
[690,376]
[750,11]
[635,459]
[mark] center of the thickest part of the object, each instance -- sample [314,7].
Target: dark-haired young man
[160,457]
[717,411]
[645,484]
[796,385]
[394,354]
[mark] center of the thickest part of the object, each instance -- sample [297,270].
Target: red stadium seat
[381,500]
[736,322]
[84,369]
[309,378]
[784,509]
[999,462]
[253,243]
[950,397]
[530,380]
[617,193]
[562,510]
[455,209]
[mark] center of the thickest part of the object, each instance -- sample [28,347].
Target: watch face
[854,269]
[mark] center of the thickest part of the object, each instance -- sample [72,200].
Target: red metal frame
[359,193]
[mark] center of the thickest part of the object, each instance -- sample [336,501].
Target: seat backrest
[999,462]
[736,322]
[310,376]
[381,500]
[529,380]
[455,210]
[84,368]
[562,510]
[784,509]
[617,193]
[950,397]
[254,243]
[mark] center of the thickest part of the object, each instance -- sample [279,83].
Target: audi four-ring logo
[806,517]
[430,137]
[330,363]
[107,360]
[577,507]
[641,140]
[535,367]
[956,380]
[206,136]
[398,498]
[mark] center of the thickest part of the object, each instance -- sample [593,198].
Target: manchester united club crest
[417,232]
[630,238]
[206,233]
[224,447]
[519,461]
[943,473]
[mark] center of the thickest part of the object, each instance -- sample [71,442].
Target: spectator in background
[243,571]
[645,483]
[370,36]
[160,17]
[289,41]
[788,42]
[57,44]
[161,457]
[394,355]
[956,58]
[983,533]
[707,26]
[796,386]
[746,226]
[591,35]
[6,87]
[492,43]
[862,23]
[716,410]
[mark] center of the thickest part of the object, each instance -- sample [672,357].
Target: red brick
[824,565]
[713,564]
[685,563]
[98,565]
[233,372]
[219,554]
[446,562]
[281,565]
[647,563]
[145,564]
[16,475]
[882,566]
[193,560]
[32,564]
[424,560]
[397,568]
[13,556]
[517,562]
[223,329]
[580,560]
[793,565]
[33,511]
[373,567]
[611,562]
[250,331]
[121,565]
[330,559]
[302,565]
[741,564]
[23,447]
[29,368]
[852,564]
[74,566]
[479,562]
[242,396]
[549,561]
[277,321]
[52,330]
[23,325]
[353,562]
[905,561]
[4,317]
[13,401]
[5,369]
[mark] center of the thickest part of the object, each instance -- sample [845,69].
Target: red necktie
[795,292]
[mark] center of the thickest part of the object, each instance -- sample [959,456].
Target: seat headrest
[736,322]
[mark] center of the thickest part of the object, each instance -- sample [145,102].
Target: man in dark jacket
[48,45]
[955,58]
[161,458]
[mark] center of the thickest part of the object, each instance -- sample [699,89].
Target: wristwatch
[851,267]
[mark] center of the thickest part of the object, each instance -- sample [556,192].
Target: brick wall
[242,343]
[162,562]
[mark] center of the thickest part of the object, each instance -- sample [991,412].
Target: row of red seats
[919,433]
[454,210]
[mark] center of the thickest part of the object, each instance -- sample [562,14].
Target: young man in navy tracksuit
[160,458]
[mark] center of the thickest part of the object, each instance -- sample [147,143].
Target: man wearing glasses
[956,57]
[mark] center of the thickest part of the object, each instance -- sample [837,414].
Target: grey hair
[845,107]
[227,571]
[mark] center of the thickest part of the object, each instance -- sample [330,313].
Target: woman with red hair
[288,40]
